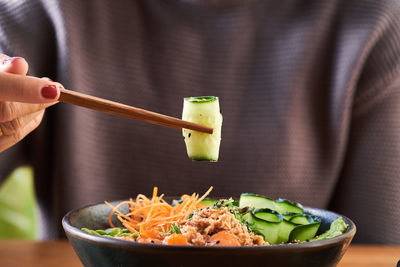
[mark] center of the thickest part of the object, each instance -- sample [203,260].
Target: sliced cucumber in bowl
[256,201]
[304,232]
[288,215]
[265,222]
[207,202]
[284,205]
[267,215]
[302,219]
[285,229]
[293,224]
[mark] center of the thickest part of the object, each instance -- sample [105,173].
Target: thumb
[15,65]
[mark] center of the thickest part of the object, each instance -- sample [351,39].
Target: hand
[23,100]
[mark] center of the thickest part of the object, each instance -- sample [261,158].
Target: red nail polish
[49,91]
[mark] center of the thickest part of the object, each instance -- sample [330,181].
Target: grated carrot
[155,214]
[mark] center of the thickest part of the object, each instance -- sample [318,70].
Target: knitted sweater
[309,90]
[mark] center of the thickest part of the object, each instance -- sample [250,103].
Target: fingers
[15,65]
[27,89]
[22,100]
[12,127]
[12,110]
[17,130]
[24,89]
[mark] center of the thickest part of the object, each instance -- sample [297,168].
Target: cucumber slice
[302,219]
[203,110]
[267,215]
[285,229]
[208,202]
[304,232]
[256,201]
[269,230]
[288,215]
[284,205]
[299,227]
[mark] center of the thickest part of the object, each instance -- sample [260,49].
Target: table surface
[61,254]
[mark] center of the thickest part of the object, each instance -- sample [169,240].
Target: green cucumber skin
[255,201]
[267,213]
[285,229]
[304,232]
[201,99]
[303,219]
[209,202]
[288,215]
[284,205]
[279,205]
[269,230]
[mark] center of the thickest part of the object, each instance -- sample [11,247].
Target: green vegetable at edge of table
[111,232]
[337,227]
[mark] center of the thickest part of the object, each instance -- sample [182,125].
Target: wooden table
[61,254]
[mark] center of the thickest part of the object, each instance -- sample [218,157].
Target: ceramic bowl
[104,251]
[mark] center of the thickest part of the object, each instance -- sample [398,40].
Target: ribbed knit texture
[309,90]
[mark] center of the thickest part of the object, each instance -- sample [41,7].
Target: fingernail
[49,91]
[10,60]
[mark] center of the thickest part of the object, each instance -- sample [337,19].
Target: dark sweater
[309,90]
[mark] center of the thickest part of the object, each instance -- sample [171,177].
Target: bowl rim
[75,232]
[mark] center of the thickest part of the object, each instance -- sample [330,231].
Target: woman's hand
[23,100]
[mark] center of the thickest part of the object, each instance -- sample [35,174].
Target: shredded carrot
[155,214]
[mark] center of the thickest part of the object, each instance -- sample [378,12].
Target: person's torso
[276,66]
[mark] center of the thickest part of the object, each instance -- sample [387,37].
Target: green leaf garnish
[174,229]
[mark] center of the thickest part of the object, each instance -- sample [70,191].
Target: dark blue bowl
[103,251]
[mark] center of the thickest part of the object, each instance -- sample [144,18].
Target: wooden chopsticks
[115,108]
